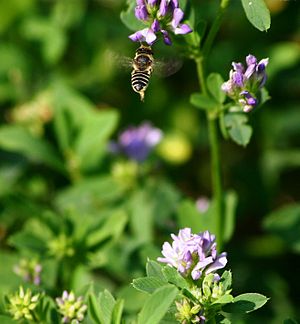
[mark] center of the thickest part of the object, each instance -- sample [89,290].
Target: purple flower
[202,204]
[179,29]
[137,142]
[141,12]
[244,85]
[193,254]
[29,270]
[162,17]
[247,100]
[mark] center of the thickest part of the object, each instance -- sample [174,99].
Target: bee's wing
[122,62]
[165,68]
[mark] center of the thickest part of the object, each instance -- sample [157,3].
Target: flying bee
[142,65]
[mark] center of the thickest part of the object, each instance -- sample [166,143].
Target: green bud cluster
[21,305]
[61,247]
[203,301]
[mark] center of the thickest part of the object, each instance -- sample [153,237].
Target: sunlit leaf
[257,13]
[246,303]
[157,305]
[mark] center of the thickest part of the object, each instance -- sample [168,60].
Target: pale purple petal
[139,36]
[250,70]
[141,13]
[239,67]
[150,37]
[219,263]
[227,86]
[251,59]
[183,29]
[163,8]
[152,3]
[238,78]
[177,17]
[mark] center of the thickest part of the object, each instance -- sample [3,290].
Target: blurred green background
[64,94]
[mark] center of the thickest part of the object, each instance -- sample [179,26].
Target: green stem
[215,157]
[212,118]
[214,28]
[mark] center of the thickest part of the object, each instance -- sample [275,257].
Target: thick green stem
[216,178]
[215,158]
[212,118]
[214,28]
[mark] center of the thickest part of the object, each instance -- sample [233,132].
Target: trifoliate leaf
[257,13]
[238,129]
[246,303]
[202,101]
[148,284]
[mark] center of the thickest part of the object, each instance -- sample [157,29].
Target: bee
[142,66]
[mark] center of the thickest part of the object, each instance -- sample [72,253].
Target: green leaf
[19,139]
[51,36]
[157,305]
[6,320]
[257,13]
[94,309]
[91,143]
[189,216]
[142,206]
[226,279]
[202,101]
[111,228]
[214,83]
[86,196]
[238,129]
[225,299]
[290,321]
[285,223]
[231,201]
[154,269]
[107,304]
[283,56]
[117,311]
[28,241]
[129,19]
[246,303]
[148,284]
[172,276]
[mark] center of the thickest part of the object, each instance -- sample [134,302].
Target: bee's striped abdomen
[140,81]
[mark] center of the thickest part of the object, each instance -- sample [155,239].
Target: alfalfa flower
[245,83]
[193,254]
[72,308]
[21,305]
[137,142]
[161,18]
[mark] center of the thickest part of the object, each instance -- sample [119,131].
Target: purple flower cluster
[193,254]
[137,142]
[161,17]
[244,83]
[29,270]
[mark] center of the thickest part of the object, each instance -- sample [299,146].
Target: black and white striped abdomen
[140,80]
